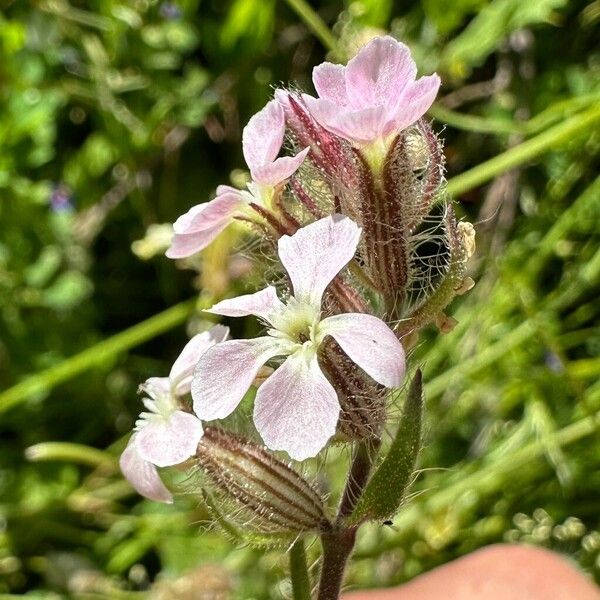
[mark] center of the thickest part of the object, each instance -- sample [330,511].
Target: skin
[501,572]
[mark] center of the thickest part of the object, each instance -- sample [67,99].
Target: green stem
[360,470]
[339,543]
[475,123]
[69,452]
[528,150]
[299,572]
[44,381]
[315,24]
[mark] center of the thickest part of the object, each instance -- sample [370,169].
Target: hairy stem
[357,477]
[339,543]
[337,547]
[299,572]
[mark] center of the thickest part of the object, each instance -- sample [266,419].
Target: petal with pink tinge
[226,371]
[297,409]
[260,303]
[197,228]
[379,73]
[416,101]
[170,441]
[281,169]
[370,343]
[357,126]
[142,475]
[183,367]
[263,136]
[316,253]
[330,83]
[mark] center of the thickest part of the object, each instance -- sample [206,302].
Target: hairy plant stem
[299,572]
[339,543]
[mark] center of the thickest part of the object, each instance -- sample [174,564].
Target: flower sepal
[267,497]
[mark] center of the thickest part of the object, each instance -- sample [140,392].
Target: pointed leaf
[387,487]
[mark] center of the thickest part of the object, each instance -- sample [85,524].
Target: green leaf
[386,489]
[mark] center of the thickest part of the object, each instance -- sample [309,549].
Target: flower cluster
[367,253]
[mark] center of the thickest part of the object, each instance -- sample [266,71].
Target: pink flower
[375,96]
[261,141]
[166,435]
[296,409]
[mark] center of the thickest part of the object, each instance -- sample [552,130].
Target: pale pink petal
[263,136]
[260,303]
[377,75]
[370,343]
[209,214]
[197,228]
[226,371]
[183,367]
[226,189]
[297,409]
[155,387]
[316,253]
[143,475]
[166,442]
[330,83]
[357,126]
[188,244]
[416,101]
[279,170]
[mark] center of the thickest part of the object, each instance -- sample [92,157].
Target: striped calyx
[270,496]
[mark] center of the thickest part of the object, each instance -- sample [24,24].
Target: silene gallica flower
[375,96]
[261,143]
[166,435]
[297,408]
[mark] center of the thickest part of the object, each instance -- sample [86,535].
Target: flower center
[297,322]
[160,406]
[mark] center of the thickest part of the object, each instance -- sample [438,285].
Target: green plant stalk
[475,123]
[337,548]
[528,150]
[44,381]
[299,572]
[69,452]
[483,359]
[338,544]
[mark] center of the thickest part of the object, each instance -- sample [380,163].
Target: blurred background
[116,116]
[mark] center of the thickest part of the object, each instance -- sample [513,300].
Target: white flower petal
[156,387]
[171,441]
[143,475]
[226,371]
[260,304]
[263,135]
[370,343]
[297,409]
[182,370]
[315,254]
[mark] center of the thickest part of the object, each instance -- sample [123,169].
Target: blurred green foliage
[119,114]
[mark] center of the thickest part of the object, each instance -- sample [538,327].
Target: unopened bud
[268,495]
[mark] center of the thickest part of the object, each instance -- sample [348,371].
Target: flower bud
[460,243]
[361,399]
[268,496]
